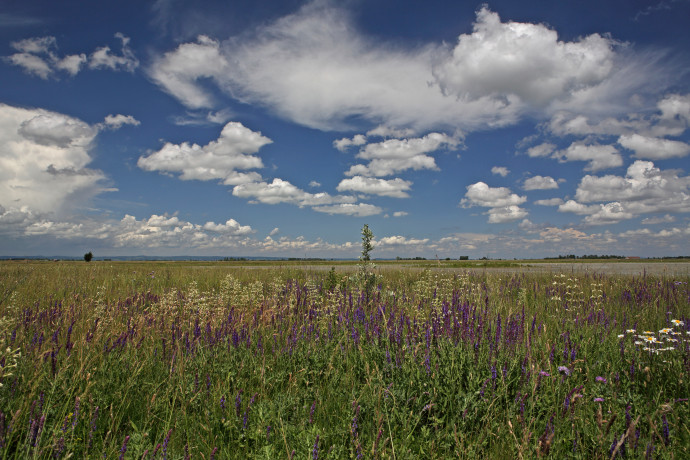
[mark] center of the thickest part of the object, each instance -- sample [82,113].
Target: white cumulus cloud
[395,155]
[645,189]
[505,214]
[119,120]
[220,159]
[540,183]
[282,191]
[480,194]
[398,240]
[503,204]
[597,156]
[523,60]
[500,170]
[653,148]
[396,188]
[350,209]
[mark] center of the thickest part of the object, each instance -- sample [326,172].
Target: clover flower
[600,379]
[598,399]
[564,370]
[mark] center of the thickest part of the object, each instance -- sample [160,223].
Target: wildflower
[311,412]
[600,379]
[544,374]
[665,430]
[564,370]
[598,399]
[124,448]
[665,330]
[638,342]
[648,333]
[620,336]
[630,331]
[677,322]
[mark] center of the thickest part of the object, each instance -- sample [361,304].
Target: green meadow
[334,360]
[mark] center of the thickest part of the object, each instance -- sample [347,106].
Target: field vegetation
[224,360]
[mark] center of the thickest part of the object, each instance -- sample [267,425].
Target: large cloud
[643,182]
[44,159]
[220,159]
[523,60]
[313,67]
[644,189]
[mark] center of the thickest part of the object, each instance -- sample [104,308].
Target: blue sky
[279,128]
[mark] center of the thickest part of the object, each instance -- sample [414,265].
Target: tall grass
[175,360]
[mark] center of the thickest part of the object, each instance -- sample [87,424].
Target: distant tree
[367,247]
[88,256]
[367,277]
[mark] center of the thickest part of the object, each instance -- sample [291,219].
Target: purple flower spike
[544,374]
[564,370]
[124,448]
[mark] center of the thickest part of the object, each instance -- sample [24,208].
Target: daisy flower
[677,322]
